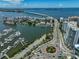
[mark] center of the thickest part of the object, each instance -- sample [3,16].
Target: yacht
[2,44]
[11,36]
[8,30]
[9,47]
[22,39]
[17,33]
[8,39]
[6,42]
[16,42]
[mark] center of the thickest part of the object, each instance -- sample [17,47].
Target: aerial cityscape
[39,29]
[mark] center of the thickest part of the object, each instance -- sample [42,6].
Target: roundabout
[51,49]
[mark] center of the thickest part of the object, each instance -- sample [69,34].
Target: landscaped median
[51,49]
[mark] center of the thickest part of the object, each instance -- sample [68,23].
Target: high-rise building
[71,34]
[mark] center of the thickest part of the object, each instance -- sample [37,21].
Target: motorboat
[17,33]
[2,44]
[8,30]
[9,47]
[16,42]
[22,39]
[8,39]
[6,42]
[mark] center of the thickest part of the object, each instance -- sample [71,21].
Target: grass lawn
[4,57]
[51,49]
[15,50]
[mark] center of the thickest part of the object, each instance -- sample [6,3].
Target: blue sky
[38,3]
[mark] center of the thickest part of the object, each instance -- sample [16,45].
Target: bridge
[40,14]
[21,11]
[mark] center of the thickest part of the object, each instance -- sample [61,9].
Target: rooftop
[73,25]
[74,17]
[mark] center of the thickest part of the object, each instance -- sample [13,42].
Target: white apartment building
[70,33]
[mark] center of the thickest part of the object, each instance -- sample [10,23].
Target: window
[78,41]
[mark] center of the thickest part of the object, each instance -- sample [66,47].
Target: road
[22,53]
[54,42]
[63,47]
[57,42]
[42,48]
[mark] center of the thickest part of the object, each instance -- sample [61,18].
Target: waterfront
[29,33]
[55,12]
[26,32]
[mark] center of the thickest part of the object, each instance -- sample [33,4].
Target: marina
[21,34]
[18,30]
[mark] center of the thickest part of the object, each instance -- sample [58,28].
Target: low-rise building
[10,22]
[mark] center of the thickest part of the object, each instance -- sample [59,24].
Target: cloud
[60,5]
[13,1]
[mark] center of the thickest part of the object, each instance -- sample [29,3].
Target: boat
[16,42]
[22,39]
[8,30]
[9,47]
[6,42]
[8,39]
[17,33]
[2,44]
[11,36]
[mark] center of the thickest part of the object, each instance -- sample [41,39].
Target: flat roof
[73,25]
